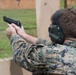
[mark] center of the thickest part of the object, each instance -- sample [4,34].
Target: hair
[67,21]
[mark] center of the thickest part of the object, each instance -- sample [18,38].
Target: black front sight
[10,21]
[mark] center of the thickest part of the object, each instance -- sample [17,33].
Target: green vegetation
[27,17]
[62,3]
[69,6]
[28,20]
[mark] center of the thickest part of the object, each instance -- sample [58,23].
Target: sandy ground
[17,4]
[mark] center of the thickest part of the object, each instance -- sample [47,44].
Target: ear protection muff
[55,31]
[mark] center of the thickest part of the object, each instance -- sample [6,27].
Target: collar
[71,43]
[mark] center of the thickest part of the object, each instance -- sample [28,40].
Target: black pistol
[10,21]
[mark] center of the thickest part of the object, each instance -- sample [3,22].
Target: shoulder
[43,41]
[53,50]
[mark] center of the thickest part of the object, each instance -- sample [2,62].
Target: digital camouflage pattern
[44,57]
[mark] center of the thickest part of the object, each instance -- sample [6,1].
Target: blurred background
[25,12]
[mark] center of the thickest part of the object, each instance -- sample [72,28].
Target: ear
[56,34]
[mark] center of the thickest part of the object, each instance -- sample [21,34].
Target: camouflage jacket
[44,57]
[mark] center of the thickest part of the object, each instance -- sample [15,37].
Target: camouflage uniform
[44,58]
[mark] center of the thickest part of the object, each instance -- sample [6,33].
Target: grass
[27,17]
[28,20]
[62,3]
[5,50]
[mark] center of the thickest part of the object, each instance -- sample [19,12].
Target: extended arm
[19,46]
[21,32]
[21,49]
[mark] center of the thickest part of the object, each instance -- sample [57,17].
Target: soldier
[42,57]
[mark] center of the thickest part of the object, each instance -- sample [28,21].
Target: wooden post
[65,3]
[44,10]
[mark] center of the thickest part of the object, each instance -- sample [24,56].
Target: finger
[8,25]
[22,27]
[15,26]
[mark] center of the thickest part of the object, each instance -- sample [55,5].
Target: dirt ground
[17,4]
[71,2]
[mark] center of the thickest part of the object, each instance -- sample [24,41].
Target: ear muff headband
[55,31]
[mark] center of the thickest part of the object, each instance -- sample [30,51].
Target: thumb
[8,25]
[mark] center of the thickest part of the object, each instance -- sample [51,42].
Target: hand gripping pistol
[10,21]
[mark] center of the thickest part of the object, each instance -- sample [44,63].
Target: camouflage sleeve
[42,41]
[57,60]
[27,55]
[19,47]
